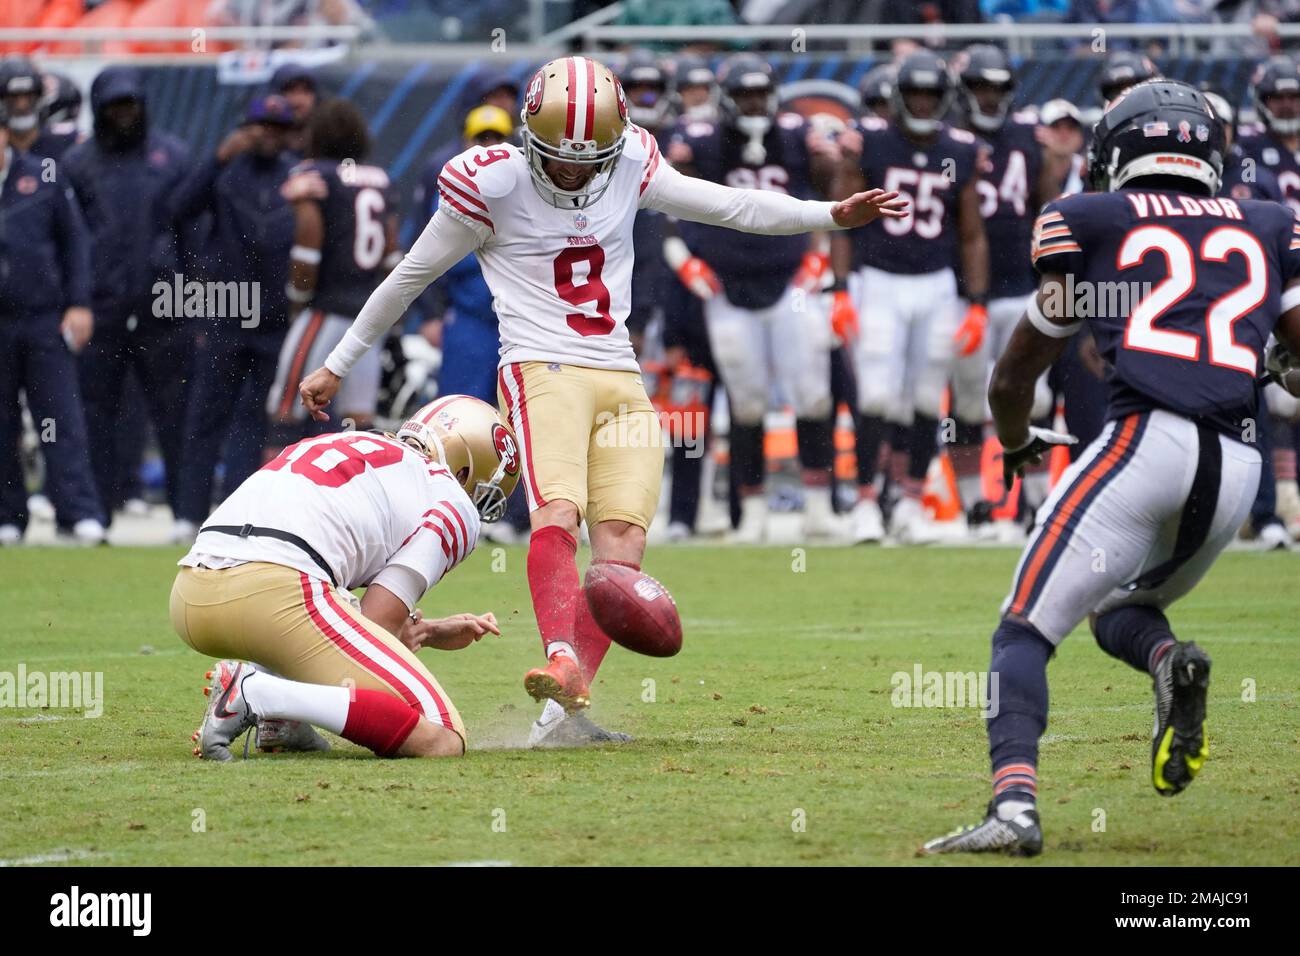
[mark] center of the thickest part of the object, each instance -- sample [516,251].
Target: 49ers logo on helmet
[622,100]
[533,98]
[505,446]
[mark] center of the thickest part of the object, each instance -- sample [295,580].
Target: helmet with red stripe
[477,446]
[574,116]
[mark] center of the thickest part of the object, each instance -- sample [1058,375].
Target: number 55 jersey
[1181,293]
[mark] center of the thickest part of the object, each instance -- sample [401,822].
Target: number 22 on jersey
[1221,244]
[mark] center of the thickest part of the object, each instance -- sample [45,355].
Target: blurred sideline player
[1079,375]
[695,89]
[1026,165]
[1168,483]
[906,286]
[345,240]
[763,329]
[1245,179]
[1275,144]
[267,584]
[687,358]
[1274,147]
[23,90]
[552,226]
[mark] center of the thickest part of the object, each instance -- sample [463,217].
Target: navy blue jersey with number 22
[1184,294]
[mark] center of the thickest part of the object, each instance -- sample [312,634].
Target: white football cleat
[820,522]
[184,532]
[753,521]
[909,523]
[868,524]
[678,532]
[1273,537]
[89,532]
[136,507]
[39,507]
[10,535]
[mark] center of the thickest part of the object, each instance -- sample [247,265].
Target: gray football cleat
[574,730]
[228,715]
[288,736]
[1022,835]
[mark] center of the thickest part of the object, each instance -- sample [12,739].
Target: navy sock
[1019,666]
[1137,635]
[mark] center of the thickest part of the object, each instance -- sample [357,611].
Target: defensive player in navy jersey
[1182,291]
[1027,165]
[906,284]
[762,328]
[23,90]
[345,242]
[1243,178]
[1275,145]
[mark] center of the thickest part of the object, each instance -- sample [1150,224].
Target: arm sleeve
[409,585]
[747,210]
[444,242]
[448,532]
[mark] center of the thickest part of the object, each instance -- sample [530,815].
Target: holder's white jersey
[561,279]
[362,501]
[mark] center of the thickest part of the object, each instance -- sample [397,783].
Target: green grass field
[777,712]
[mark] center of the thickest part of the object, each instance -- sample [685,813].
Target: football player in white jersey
[551,224]
[269,581]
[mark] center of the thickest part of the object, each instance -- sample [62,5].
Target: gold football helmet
[469,437]
[574,112]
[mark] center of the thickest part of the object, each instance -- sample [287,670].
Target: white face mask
[22,124]
[755,127]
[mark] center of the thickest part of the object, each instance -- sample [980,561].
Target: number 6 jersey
[362,501]
[1181,294]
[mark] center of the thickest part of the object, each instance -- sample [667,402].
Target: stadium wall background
[416,108]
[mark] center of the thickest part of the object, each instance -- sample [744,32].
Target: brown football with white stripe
[634,609]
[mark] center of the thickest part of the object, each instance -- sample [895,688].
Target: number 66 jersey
[1181,293]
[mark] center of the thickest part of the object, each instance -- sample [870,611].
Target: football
[634,609]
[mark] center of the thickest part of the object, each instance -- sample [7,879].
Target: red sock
[379,721]
[553,581]
[589,640]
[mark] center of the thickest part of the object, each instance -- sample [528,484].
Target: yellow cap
[484,119]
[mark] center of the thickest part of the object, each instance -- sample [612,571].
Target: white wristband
[346,354]
[1045,325]
[305,254]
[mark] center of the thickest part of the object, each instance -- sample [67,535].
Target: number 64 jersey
[1181,294]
